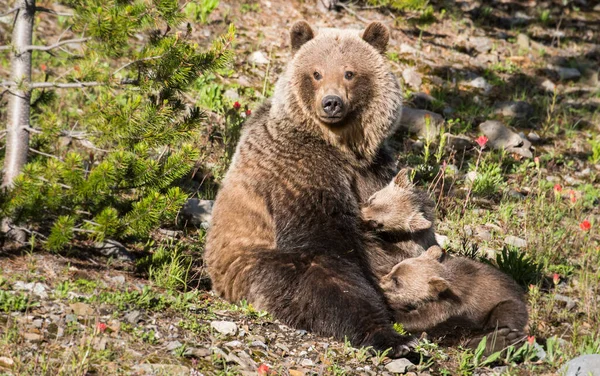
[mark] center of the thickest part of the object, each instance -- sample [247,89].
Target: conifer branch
[52,11]
[38,85]
[44,154]
[49,182]
[57,44]
[137,61]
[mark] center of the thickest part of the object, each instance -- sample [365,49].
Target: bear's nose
[333,105]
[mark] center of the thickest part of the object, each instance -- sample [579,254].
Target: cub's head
[396,207]
[335,71]
[416,281]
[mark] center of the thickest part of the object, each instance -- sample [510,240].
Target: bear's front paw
[406,345]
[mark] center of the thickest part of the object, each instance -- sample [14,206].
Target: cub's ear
[438,285]
[377,35]
[419,223]
[435,253]
[300,33]
[401,180]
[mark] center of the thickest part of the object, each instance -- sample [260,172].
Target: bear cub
[437,294]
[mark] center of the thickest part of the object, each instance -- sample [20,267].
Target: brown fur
[403,217]
[433,296]
[286,231]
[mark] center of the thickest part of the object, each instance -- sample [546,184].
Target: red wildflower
[585,225]
[531,340]
[263,369]
[481,141]
[237,105]
[101,327]
[572,196]
[43,67]
[248,112]
[557,188]
[555,278]
[536,160]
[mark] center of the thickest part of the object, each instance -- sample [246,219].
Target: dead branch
[52,11]
[56,45]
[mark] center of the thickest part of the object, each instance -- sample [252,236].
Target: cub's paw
[399,345]
[403,349]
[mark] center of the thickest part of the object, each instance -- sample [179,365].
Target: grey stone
[36,288]
[112,248]
[515,241]
[421,100]
[307,363]
[515,110]
[483,233]
[568,302]
[199,353]
[480,83]
[162,369]
[258,344]
[401,365]
[119,279]
[173,345]
[412,78]
[231,94]
[481,44]
[38,323]
[423,123]
[233,344]
[534,137]
[442,240]
[133,317]
[549,86]
[407,49]
[501,137]
[70,318]
[471,176]
[583,365]
[458,142]
[258,58]
[224,327]
[567,74]
[198,212]
[523,41]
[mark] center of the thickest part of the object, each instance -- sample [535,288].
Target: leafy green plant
[199,10]
[15,302]
[519,266]
[595,145]
[488,179]
[167,266]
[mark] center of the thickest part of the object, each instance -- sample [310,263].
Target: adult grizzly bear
[286,231]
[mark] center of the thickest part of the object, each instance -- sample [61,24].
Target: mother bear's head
[338,82]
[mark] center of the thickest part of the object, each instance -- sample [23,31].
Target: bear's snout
[333,106]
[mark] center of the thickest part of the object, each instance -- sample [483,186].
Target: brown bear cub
[436,294]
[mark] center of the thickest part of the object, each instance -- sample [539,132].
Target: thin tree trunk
[17,136]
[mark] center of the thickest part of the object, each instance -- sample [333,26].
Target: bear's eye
[348,75]
[317,76]
[396,281]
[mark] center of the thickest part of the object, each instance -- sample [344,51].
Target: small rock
[231,94]
[568,302]
[199,353]
[37,288]
[307,363]
[233,344]
[406,49]
[82,309]
[501,137]
[516,110]
[523,41]
[6,362]
[515,241]
[567,74]
[513,193]
[483,233]
[162,369]
[458,142]
[70,318]
[33,337]
[442,240]
[412,78]
[99,343]
[295,372]
[582,365]
[198,212]
[301,332]
[119,279]
[283,348]
[258,344]
[173,345]
[258,58]
[549,86]
[112,248]
[480,83]
[133,317]
[401,365]
[224,327]
[471,176]
[534,137]
[38,323]
[481,44]
[423,123]
[488,252]
[553,179]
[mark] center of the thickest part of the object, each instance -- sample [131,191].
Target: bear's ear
[401,180]
[377,35]
[436,253]
[438,285]
[418,222]
[300,33]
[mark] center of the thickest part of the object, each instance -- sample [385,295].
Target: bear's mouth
[331,119]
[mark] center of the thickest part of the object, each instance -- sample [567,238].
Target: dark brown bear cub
[426,293]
